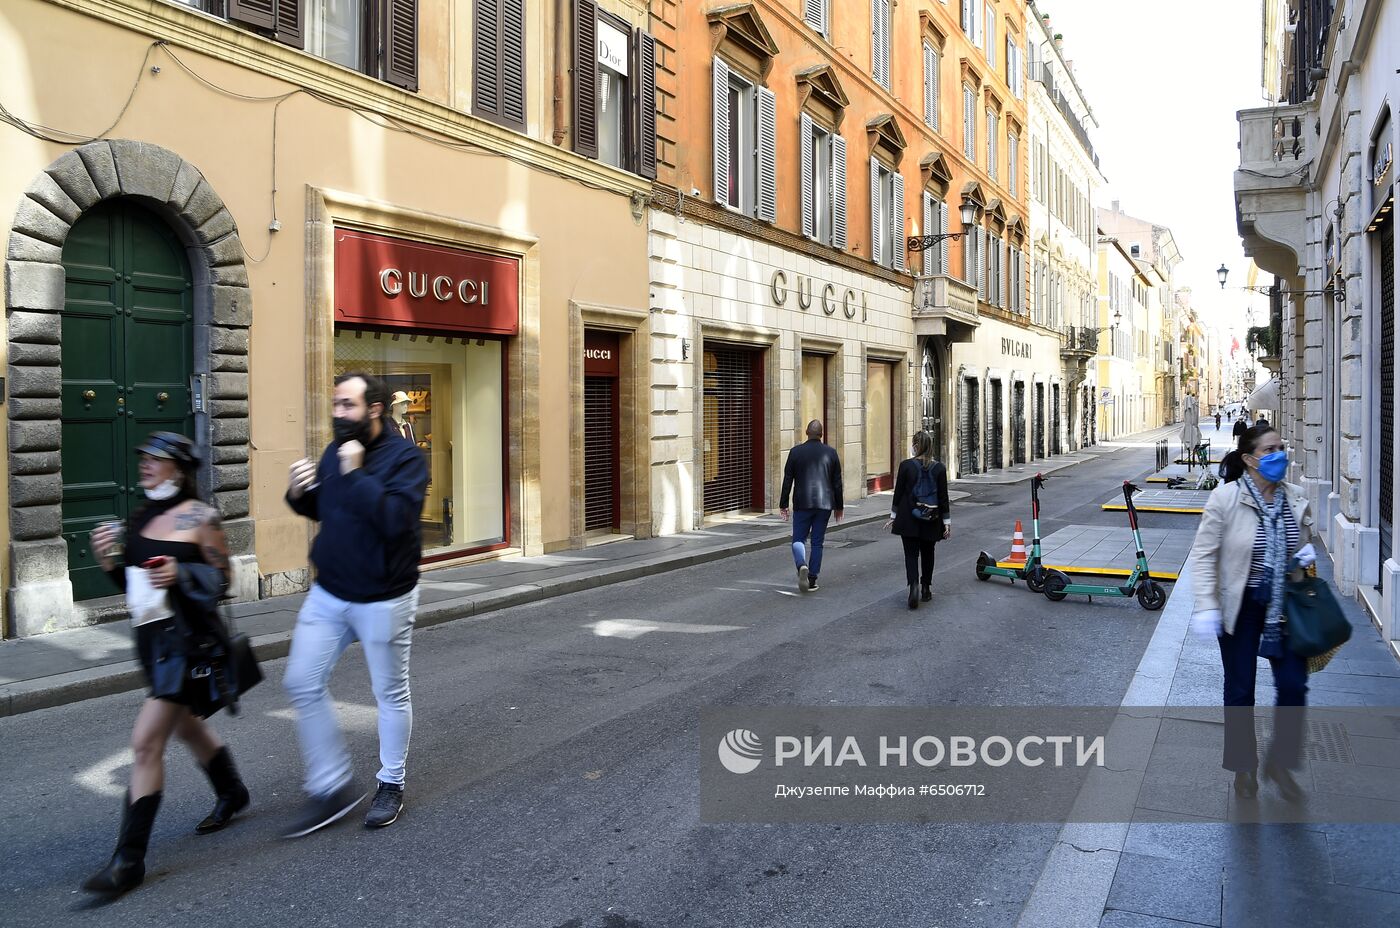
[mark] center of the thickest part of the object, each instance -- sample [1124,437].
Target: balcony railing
[1046,76]
[1080,339]
[1272,136]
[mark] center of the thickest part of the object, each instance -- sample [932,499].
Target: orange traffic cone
[1018,546]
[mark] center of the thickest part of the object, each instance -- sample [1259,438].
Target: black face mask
[350,430]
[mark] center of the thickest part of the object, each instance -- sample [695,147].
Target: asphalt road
[553,772]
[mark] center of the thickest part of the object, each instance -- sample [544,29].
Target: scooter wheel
[1054,585]
[984,561]
[1151,596]
[1035,579]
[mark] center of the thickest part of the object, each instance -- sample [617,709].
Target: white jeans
[325,628]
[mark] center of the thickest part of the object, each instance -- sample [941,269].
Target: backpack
[925,505]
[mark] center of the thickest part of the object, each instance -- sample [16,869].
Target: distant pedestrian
[1241,426]
[367,493]
[1262,422]
[172,564]
[1217,420]
[812,481]
[920,515]
[1253,526]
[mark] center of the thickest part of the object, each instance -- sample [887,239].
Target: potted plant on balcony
[1264,341]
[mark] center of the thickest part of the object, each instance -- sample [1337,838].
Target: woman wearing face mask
[1253,527]
[173,536]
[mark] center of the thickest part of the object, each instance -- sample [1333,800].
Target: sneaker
[812,585]
[803,581]
[321,811]
[387,804]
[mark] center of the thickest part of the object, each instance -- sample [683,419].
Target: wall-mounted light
[685,349]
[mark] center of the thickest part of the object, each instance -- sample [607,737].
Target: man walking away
[812,479]
[367,493]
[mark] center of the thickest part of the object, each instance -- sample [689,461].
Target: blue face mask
[1272,467]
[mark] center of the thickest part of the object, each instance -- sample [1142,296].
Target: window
[972,21]
[614,88]
[989,41]
[823,184]
[336,30]
[498,61]
[992,143]
[817,14]
[969,124]
[745,123]
[931,63]
[935,223]
[886,216]
[1013,159]
[880,42]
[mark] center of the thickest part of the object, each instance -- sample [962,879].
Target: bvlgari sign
[396,283]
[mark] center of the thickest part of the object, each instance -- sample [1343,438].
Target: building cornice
[184,28]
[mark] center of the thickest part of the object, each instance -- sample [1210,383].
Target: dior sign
[805,288]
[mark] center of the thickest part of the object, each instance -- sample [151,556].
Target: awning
[1265,397]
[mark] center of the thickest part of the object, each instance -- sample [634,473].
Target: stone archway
[40,597]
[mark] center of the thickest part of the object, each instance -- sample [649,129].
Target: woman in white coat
[1253,528]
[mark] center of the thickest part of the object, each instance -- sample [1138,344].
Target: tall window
[969,124]
[739,185]
[817,14]
[886,216]
[823,184]
[1013,160]
[972,20]
[880,42]
[935,216]
[931,64]
[745,124]
[992,143]
[989,41]
[335,30]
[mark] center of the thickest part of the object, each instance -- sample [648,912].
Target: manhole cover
[1326,741]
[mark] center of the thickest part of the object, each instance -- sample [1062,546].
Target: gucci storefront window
[454,415]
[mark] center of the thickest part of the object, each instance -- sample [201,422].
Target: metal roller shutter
[1038,427]
[1055,418]
[967,427]
[1018,421]
[1387,456]
[600,470]
[729,424]
[996,426]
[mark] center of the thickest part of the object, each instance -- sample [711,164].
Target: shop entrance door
[879,426]
[1055,418]
[1018,421]
[1385,474]
[127,359]
[733,438]
[931,386]
[968,428]
[997,426]
[1038,426]
[602,497]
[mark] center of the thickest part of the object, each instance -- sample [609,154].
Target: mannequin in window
[398,407]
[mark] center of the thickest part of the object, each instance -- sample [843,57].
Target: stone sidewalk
[1020,472]
[1181,864]
[81,663]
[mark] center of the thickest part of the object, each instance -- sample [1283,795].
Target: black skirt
[161,648]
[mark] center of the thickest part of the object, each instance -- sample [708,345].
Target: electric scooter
[1032,572]
[1150,594]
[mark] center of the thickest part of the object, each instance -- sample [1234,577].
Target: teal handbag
[1316,623]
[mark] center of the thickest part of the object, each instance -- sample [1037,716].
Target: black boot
[231,796]
[927,594]
[913,596]
[127,868]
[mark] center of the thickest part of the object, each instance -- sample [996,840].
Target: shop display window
[456,418]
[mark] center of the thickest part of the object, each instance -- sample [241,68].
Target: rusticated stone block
[229,363]
[229,431]
[32,407]
[31,523]
[230,477]
[220,225]
[34,219]
[228,341]
[24,354]
[229,454]
[202,205]
[71,175]
[24,248]
[187,180]
[36,490]
[39,382]
[37,561]
[35,462]
[103,170]
[36,328]
[233,306]
[233,504]
[145,170]
[47,192]
[35,435]
[34,285]
[229,275]
[228,386]
[228,409]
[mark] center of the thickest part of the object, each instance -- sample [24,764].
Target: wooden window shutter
[498,61]
[646,104]
[930,102]
[289,29]
[877,229]
[838,192]
[897,221]
[767,155]
[400,43]
[926,228]
[720,105]
[260,13]
[809,180]
[513,63]
[586,78]
[814,13]
[943,245]
[967,18]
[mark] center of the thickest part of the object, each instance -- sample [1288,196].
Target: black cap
[170,445]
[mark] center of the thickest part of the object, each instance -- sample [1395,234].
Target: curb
[108,679]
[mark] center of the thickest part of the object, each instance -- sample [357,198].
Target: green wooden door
[127,360]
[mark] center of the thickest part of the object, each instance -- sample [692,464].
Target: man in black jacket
[367,493]
[812,479]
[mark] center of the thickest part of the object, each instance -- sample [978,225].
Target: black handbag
[1316,623]
[219,655]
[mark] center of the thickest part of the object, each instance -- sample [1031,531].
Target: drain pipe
[559,33]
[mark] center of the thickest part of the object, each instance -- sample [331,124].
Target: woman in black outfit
[175,564]
[920,535]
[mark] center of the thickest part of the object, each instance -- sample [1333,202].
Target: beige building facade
[264,210]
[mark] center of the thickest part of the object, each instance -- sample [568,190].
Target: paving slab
[1153,499]
[1105,551]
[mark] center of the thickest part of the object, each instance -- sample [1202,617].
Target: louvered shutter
[289,23]
[809,180]
[767,155]
[885,43]
[967,18]
[721,111]
[978,253]
[498,61]
[877,229]
[1001,274]
[970,257]
[513,63]
[814,12]
[991,37]
[929,98]
[401,47]
[260,13]
[943,245]
[585,87]
[838,192]
[646,104]
[897,221]
[926,228]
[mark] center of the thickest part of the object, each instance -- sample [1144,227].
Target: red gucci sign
[395,283]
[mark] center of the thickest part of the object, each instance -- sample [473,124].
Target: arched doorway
[127,335]
[931,389]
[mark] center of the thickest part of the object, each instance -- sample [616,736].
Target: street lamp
[1337,289]
[967,212]
[1222,272]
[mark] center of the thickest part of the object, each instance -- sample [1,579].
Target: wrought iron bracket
[925,242]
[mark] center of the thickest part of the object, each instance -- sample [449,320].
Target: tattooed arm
[212,542]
